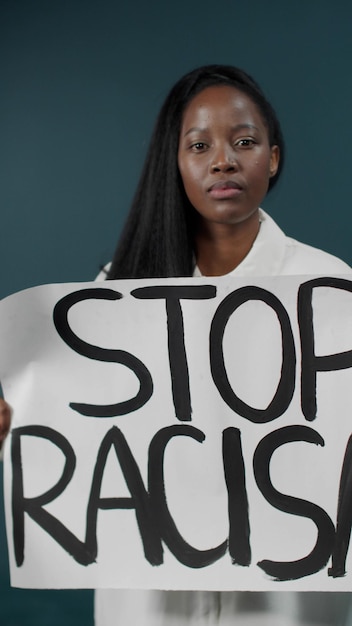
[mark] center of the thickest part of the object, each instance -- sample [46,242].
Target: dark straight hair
[157,239]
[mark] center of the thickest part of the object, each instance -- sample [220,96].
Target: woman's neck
[220,248]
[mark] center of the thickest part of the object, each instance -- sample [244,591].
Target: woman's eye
[245,143]
[198,146]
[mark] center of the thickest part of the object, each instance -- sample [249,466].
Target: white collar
[266,255]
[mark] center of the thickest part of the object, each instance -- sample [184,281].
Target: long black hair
[157,240]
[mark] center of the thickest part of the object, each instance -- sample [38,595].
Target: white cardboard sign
[180,434]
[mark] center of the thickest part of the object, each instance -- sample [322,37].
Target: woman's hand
[5,419]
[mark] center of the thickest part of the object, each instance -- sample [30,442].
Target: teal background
[80,85]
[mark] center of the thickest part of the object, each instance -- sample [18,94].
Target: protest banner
[180,434]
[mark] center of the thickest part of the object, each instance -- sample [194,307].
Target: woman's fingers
[5,419]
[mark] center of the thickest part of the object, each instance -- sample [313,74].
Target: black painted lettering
[139,500]
[320,554]
[102,354]
[344,517]
[286,385]
[176,341]
[34,507]
[311,364]
[239,534]
[183,551]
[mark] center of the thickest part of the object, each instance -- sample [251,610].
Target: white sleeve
[103,272]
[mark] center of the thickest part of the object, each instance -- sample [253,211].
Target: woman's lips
[224,190]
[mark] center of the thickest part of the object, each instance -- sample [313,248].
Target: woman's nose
[224,161]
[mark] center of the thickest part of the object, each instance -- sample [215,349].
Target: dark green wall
[80,85]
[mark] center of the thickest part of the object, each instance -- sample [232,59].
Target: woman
[165,232]
[216,150]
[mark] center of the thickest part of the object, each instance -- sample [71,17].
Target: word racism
[195,381]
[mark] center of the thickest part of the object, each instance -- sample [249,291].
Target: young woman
[216,150]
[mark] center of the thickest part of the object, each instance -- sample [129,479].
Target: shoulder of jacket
[325,260]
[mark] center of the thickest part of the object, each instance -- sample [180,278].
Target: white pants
[114,607]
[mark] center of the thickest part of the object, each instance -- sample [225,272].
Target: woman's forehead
[221,103]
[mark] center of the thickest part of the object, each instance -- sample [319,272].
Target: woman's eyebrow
[242,126]
[196,129]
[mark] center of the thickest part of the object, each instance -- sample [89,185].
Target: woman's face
[224,155]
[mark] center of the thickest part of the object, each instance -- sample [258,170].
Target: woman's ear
[274,160]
